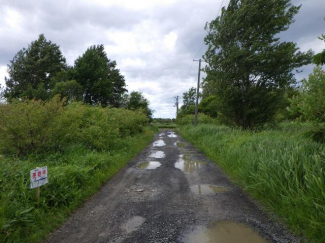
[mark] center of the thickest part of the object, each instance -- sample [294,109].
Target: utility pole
[176,104]
[197,91]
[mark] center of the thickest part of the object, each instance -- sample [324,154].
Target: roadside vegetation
[78,121]
[265,129]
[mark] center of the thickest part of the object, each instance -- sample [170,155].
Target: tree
[188,106]
[136,101]
[319,59]
[102,83]
[248,67]
[209,106]
[31,70]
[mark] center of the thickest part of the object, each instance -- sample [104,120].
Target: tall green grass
[83,146]
[280,167]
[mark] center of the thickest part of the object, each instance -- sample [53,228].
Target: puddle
[149,165]
[206,189]
[159,143]
[224,232]
[133,224]
[162,134]
[157,154]
[188,165]
[172,135]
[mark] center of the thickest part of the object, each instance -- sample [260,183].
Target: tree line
[40,72]
[250,77]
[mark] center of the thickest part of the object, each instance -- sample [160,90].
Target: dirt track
[170,204]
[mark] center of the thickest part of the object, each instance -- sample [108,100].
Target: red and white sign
[38,177]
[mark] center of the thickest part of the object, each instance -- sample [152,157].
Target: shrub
[189,119]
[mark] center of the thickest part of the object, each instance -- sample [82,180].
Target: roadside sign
[38,177]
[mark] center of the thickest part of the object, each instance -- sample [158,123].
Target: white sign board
[38,177]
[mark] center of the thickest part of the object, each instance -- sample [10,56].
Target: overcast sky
[152,41]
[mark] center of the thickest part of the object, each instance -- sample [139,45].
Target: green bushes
[189,119]
[36,126]
[83,146]
[280,167]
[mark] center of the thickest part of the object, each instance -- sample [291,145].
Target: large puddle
[159,143]
[172,135]
[206,189]
[188,165]
[149,165]
[224,232]
[157,154]
[133,224]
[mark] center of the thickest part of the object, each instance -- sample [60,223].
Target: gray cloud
[153,46]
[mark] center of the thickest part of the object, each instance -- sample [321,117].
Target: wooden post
[38,192]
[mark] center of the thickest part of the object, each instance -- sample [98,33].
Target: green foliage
[248,67]
[82,145]
[70,90]
[317,134]
[189,119]
[310,104]
[280,167]
[136,101]
[36,126]
[31,70]
[209,106]
[74,175]
[101,81]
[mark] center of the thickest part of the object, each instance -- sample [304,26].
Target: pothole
[157,154]
[151,165]
[133,224]
[188,165]
[159,143]
[172,135]
[206,189]
[224,232]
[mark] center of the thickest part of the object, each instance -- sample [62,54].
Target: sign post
[38,178]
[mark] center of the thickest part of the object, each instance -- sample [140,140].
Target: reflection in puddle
[133,224]
[188,165]
[159,143]
[172,135]
[206,189]
[180,144]
[149,165]
[162,134]
[224,232]
[157,154]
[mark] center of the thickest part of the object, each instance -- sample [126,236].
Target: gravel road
[170,193]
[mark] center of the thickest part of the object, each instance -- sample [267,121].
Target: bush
[35,126]
[189,119]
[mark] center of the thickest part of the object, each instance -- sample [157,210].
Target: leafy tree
[102,83]
[209,105]
[136,101]
[31,70]
[310,104]
[189,97]
[319,59]
[71,90]
[248,67]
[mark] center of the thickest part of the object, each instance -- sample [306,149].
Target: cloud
[153,41]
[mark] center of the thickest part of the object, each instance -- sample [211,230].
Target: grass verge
[74,175]
[279,167]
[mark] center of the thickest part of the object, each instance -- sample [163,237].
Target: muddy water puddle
[149,165]
[157,154]
[224,232]
[133,224]
[159,143]
[187,164]
[206,189]
[161,134]
[171,135]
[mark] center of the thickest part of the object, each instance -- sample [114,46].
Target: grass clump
[83,147]
[280,167]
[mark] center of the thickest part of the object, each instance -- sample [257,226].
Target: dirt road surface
[170,193]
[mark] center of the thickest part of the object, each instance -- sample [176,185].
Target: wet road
[170,193]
